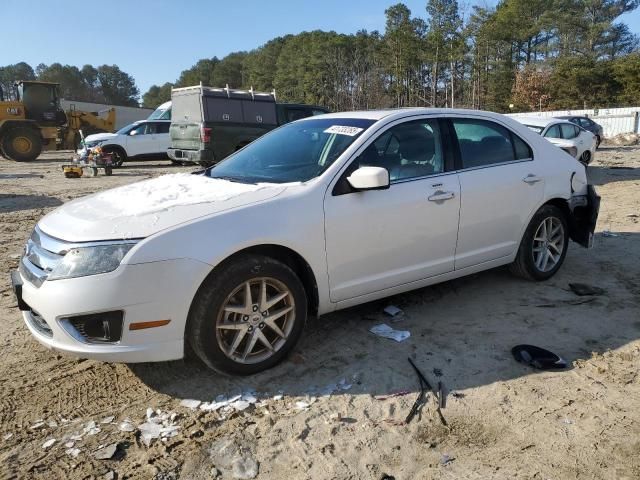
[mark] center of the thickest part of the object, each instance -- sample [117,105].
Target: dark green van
[208,124]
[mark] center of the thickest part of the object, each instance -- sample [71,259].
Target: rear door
[161,138]
[500,186]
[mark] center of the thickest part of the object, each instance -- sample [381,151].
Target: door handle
[531,179]
[441,196]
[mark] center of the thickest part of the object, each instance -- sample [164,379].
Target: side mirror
[369,178]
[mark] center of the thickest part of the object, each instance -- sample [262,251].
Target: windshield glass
[161,113]
[535,128]
[127,129]
[296,152]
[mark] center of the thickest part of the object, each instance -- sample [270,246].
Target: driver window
[409,150]
[139,130]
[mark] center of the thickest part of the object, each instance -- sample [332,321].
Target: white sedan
[318,215]
[573,139]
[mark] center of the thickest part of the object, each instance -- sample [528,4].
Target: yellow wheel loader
[29,124]
[87,122]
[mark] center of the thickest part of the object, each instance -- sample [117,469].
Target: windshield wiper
[232,178]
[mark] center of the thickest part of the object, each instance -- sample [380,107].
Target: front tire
[544,245]
[118,156]
[586,157]
[22,144]
[247,316]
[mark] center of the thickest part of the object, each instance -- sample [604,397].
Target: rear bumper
[195,156]
[584,216]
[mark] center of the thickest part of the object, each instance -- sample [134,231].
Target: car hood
[98,137]
[144,208]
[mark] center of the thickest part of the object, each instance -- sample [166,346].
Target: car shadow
[603,174]
[462,332]
[10,202]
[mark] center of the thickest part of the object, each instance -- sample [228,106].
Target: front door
[380,239]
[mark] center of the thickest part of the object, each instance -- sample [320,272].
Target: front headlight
[83,261]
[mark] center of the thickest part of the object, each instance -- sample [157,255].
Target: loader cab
[41,103]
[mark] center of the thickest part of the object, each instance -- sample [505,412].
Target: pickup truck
[208,124]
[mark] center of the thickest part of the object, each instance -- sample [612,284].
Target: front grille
[42,254]
[39,324]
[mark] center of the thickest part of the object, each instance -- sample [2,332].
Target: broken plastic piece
[537,357]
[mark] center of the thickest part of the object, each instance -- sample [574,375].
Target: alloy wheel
[255,320]
[548,244]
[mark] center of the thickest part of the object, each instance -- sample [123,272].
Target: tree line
[520,55]
[104,84]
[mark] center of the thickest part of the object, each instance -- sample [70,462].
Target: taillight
[573,151]
[205,134]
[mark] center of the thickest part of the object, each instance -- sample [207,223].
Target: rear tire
[586,157]
[231,331]
[547,235]
[22,144]
[598,140]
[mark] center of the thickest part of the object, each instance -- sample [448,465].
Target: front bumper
[195,156]
[146,292]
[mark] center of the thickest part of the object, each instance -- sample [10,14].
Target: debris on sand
[607,233]
[106,420]
[72,452]
[394,312]
[106,453]
[158,425]
[126,426]
[237,403]
[385,331]
[49,443]
[446,459]
[582,289]
[91,429]
[235,459]
[192,404]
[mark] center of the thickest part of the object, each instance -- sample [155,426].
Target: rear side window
[553,132]
[585,122]
[569,131]
[162,127]
[484,143]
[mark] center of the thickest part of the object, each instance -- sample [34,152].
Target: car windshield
[127,129]
[535,128]
[296,152]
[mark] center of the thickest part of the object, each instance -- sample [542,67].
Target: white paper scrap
[384,330]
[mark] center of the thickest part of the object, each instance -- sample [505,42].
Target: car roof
[403,112]
[540,121]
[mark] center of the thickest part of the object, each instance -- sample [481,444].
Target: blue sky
[155,40]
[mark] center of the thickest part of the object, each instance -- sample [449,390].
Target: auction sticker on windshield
[344,130]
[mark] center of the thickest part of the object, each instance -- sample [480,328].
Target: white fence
[613,120]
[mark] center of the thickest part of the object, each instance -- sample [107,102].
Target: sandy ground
[504,420]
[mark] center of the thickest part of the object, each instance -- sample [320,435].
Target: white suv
[142,140]
[320,214]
